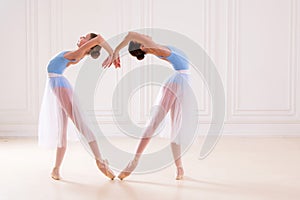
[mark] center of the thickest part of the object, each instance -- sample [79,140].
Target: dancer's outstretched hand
[107,62]
[116,60]
[117,63]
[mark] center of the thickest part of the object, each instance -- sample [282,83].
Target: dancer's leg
[60,152]
[65,98]
[102,164]
[176,148]
[166,102]
[94,147]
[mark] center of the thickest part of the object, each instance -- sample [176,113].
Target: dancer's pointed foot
[127,171]
[180,173]
[103,167]
[55,173]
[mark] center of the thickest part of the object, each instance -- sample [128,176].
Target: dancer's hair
[134,49]
[95,51]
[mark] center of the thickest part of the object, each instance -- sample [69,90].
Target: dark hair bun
[95,52]
[135,50]
[140,57]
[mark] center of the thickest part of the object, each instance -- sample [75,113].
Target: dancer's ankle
[55,173]
[56,168]
[100,159]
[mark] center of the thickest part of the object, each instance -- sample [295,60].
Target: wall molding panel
[23,120]
[288,113]
[254,43]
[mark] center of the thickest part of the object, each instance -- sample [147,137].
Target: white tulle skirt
[56,123]
[172,113]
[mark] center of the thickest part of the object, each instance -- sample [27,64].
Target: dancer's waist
[53,75]
[184,71]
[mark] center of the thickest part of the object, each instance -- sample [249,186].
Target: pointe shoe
[180,173]
[55,174]
[127,171]
[123,175]
[103,167]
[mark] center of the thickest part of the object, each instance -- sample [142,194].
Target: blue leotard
[177,58]
[57,65]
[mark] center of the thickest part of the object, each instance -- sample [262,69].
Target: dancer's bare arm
[79,53]
[132,36]
[137,37]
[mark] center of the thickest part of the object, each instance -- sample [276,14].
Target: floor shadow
[191,179]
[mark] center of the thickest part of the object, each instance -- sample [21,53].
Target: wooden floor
[239,168]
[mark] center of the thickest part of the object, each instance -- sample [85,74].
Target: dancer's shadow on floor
[106,186]
[181,183]
[191,179]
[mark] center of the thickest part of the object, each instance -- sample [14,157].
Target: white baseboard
[228,129]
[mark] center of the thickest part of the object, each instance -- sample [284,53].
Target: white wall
[254,44]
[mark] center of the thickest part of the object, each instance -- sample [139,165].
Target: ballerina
[59,103]
[173,95]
